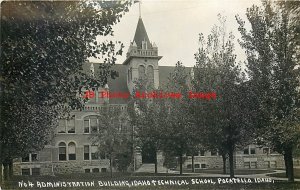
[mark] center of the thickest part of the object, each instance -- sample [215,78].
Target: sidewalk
[263,175]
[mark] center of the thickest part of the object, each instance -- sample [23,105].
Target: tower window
[141,72]
[150,75]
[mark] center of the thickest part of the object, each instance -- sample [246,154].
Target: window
[94,152]
[86,150]
[62,126]
[30,158]
[25,159]
[87,170]
[150,75]
[253,164]
[189,166]
[36,171]
[202,152]
[246,151]
[72,151]
[26,171]
[95,170]
[34,157]
[203,165]
[130,74]
[86,126]
[266,150]
[91,124]
[267,164]
[102,155]
[197,165]
[141,70]
[273,164]
[246,164]
[66,126]
[94,124]
[62,151]
[103,170]
[71,125]
[252,150]
[213,153]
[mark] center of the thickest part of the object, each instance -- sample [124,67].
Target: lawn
[128,181]
[236,171]
[296,173]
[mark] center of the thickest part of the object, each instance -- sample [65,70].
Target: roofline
[133,56]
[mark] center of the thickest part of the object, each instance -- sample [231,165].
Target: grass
[104,177]
[236,171]
[296,173]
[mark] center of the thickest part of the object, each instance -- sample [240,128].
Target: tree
[148,117]
[44,45]
[111,139]
[223,122]
[178,132]
[272,50]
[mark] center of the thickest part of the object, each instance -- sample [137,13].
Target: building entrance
[148,153]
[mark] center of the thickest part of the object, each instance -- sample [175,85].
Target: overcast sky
[174,25]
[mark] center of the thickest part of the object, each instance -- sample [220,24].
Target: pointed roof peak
[141,34]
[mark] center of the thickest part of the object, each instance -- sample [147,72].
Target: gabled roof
[141,35]
[165,71]
[119,84]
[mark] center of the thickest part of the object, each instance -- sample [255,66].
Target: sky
[175,25]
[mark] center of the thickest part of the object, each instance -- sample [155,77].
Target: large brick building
[71,149]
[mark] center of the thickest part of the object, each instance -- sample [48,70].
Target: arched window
[62,151]
[72,151]
[150,75]
[128,75]
[141,72]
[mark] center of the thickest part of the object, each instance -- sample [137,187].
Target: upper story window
[214,153]
[150,75]
[202,152]
[66,126]
[33,157]
[141,71]
[129,76]
[266,150]
[252,151]
[91,124]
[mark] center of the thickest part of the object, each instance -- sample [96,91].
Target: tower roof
[141,35]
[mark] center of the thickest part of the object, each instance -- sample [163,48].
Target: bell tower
[142,59]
